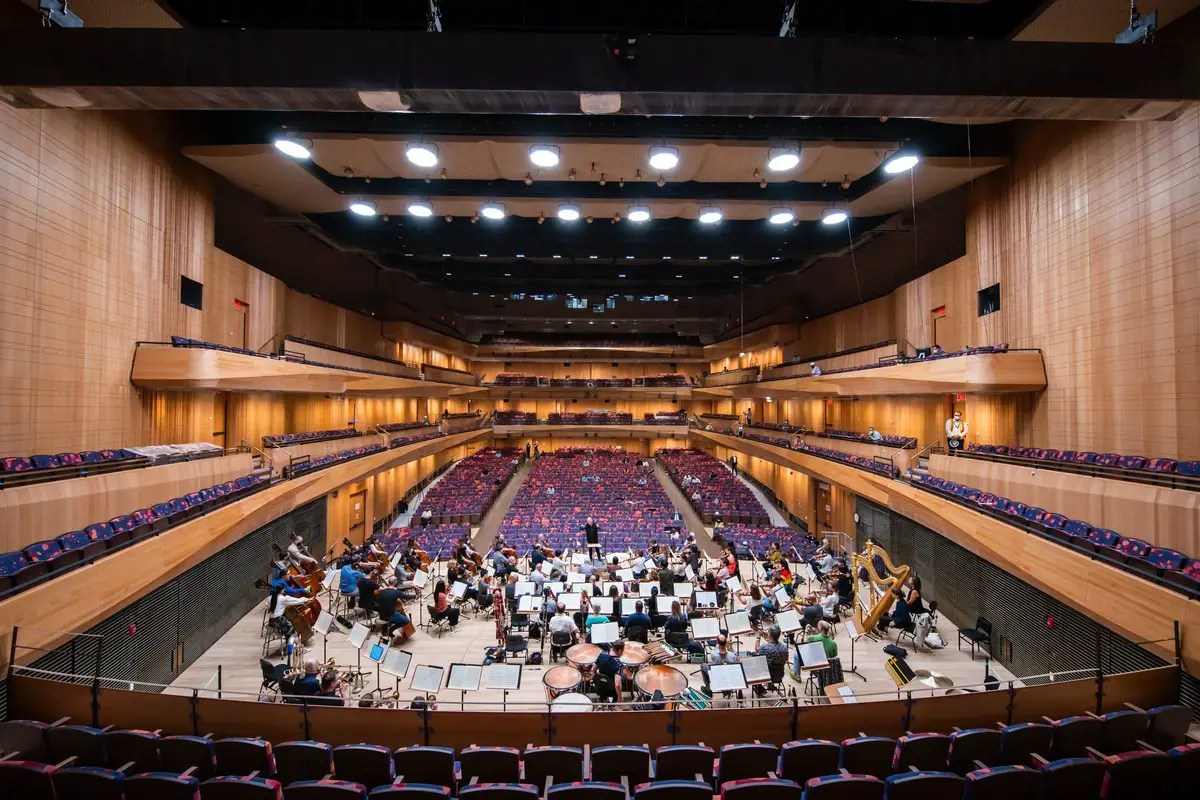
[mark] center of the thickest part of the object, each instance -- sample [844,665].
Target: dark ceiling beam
[545,73]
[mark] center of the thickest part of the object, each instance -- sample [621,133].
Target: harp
[873,596]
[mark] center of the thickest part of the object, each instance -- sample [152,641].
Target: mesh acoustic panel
[193,610]
[1033,633]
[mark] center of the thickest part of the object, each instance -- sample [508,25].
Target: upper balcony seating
[890,440]
[1159,563]
[291,439]
[396,427]
[1127,754]
[679,417]
[21,470]
[627,501]
[517,379]
[1163,471]
[401,441]
[514,379]
[70,549]
[591,418]
[722,495]
[891,362]
[862,462]
[466,492]
[514,418]
[298,468]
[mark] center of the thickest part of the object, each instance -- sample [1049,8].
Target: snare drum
[583,656]
[561,680]
[571,702]
[670,681]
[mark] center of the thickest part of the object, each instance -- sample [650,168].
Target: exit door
[824,508]
[358,516]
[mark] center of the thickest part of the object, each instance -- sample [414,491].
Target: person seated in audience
[426,517]
[606,673]
[899,616]
[333,691]
[775,651]
[796,443]
[718,522]
[348,581]
[385,603]
[936,350]
[814,370]
[441,605]
[639,618]
[874,435]
[561,622]
[309,684]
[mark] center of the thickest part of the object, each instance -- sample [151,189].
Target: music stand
[605,632]
[726,678]
[705,628]
[377,653]
[322,626]
[357,638]
[506,677]
[855,635]
[395,663]
[464,678]
[427,678]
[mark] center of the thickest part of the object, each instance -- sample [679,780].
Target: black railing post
[1099,673]
[1178,663]
[96,683]
[195,712]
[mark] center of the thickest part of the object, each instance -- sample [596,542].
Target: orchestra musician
[389,605]
[441,605]
[298,555]
[332,691]
[310,683]
[293,602]
[606,674]
[348,580]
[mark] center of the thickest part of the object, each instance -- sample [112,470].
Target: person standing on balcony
[956,433]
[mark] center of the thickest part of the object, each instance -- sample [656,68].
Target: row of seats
[395,427]
[1123,754]
[21,470]
[313,464]
[862,462]
[288,439]
[627,501]
[679,417]
[464,493]
[890,362]
[721,493]
[52,462]
[591,418]
[906,442]
[17,569]
[514,418]
[1170,566]
[1109,464]
[518,379]
[401,441]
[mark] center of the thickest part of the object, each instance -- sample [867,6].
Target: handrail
[266,458]
[269,341]
[929,446]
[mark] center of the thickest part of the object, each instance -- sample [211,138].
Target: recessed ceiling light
[593,256]
[902,161]
[781,159]
[475,294]
[678,276]
[638,213]
[520,255]
[774,258]
[483,255]
[568,212]
[448,274]
[628,258]
[666,258]
[591,322]
[710,215]
[364,208]
[544,155]
[294,147]
[493,211]
[735,258]
[420,208]
[704,258]
[423,154]
[664,157]
[556,256]
[622,275]
[780,216]
[445,255]
[737,276]
[508,274]
[834,216]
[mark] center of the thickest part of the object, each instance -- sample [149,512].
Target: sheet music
[733,584]
[606,587]
[378,651]
[546,568]
[706,599]
[649,564]
[847,694]
[626,575]
[604,605]
[555,587]
[571,601]
[331,576]
[396,662]
[788,621]
[358,635]
[628,606]
[808,572]
[420,578]
[704,628]
[323,623]
[852,627]
[575,577]
[737,623]
[427,678]
[527,604]
[604,632]
[812,655]
[726,678]
[782,598]
[525,587]
[684,588]
[756,669]
[689,573]
[644,587]
[502,676]
[579,559]
[465,677]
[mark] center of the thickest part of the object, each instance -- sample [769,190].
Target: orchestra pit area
[682,400]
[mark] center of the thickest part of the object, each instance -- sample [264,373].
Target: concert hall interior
[599,401]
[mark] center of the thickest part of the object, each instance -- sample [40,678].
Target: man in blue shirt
[310,684]
[638,619]
[348,582]
[606,677]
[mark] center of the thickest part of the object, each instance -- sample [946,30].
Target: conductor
[591,534]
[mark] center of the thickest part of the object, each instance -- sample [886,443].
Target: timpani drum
[561,680]
[571,702]
[660,677]
[635,657]
[583,656]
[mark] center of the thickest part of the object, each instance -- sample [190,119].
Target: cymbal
[936,681]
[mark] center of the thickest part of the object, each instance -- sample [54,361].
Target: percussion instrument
[661,652]
[562,680]
[634,657]
[583,655]
[660,677]
[571,702]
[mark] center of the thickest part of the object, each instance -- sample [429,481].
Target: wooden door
[219,406]
[358,516]
[824,508]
